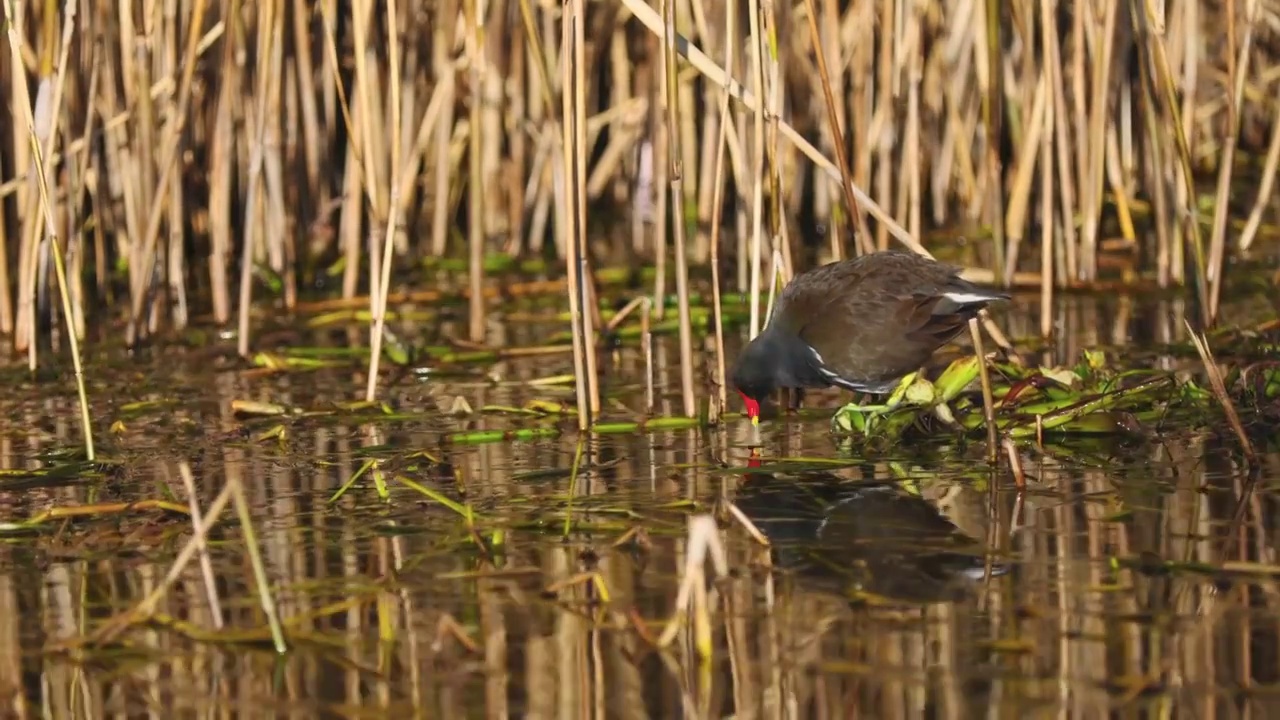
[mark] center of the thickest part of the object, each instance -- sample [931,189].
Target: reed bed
[191,157]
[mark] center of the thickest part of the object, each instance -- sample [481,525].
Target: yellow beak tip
[755,419]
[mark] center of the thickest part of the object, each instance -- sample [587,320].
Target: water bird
[861,324]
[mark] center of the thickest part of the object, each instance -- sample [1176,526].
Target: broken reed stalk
[232,491]
[988,402]
[250,536]
[39,153]
[109,630]
[378,296]
[1220,390]
[198,530]
[676,173]
[1015,465]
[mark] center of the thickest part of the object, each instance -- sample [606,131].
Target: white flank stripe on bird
[962,298]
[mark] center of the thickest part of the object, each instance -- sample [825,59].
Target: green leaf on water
[958,375]
[920,392]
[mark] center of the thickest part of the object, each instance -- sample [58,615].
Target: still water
[1133,576]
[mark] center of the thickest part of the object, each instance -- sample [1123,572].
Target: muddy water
[913,583]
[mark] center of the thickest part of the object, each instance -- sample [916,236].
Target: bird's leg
[795,400]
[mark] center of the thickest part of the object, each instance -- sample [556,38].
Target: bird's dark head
[753,376]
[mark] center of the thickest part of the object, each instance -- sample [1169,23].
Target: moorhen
[861,324]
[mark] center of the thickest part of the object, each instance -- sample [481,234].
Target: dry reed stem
[198,530]
[777,226]
[1238,70]
[1263,199]
[1096,139]
[591,311]
[475,12]
[1168,91]
[757,163]
[721,403]
[676,165]
[1015,465]
[703,542]
[646,349]
[988,404]
[651,180]
[111,628]
[993,119]
[168,164]
[38,155]
[380,282]
[378,297]
[265,597]
[1050,77]
[572,99]
[441,43]
[1220,390]
[1023,176]
[716,74]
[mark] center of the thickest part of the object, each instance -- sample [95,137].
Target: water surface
[1134,574]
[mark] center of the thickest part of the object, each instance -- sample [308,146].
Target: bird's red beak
[753,408]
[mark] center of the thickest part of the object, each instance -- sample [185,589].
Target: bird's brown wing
[823,291]
[931,320]
[865,341]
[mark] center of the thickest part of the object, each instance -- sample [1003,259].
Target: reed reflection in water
[914,584]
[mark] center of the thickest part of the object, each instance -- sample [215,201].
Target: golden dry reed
[180,152]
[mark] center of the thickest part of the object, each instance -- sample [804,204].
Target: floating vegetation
[1089,397]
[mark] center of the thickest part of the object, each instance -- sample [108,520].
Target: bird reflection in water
[858,538]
